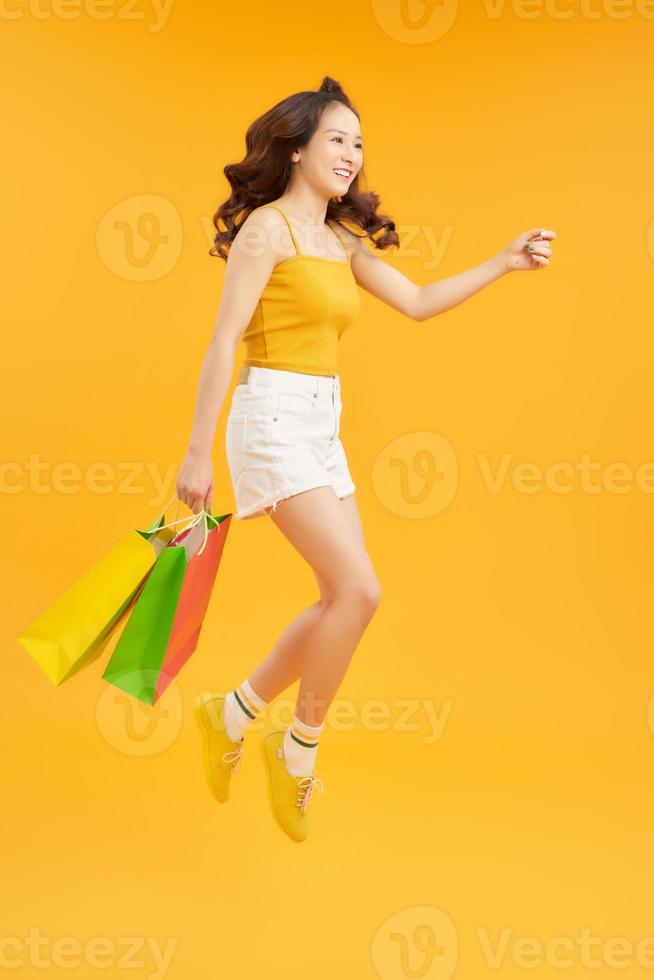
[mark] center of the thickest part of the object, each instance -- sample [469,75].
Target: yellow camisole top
[302,312]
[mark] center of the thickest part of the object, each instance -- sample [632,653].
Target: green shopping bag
[165,624]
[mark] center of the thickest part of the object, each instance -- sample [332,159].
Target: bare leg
[283,665]
[321,529]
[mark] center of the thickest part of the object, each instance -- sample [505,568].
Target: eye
[359,145]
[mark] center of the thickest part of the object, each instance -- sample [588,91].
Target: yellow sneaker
[289,795]
[222,757]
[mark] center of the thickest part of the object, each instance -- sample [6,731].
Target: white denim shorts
[282,437]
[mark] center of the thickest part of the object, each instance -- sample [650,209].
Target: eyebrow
[357,137]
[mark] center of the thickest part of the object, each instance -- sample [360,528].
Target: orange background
[520,619]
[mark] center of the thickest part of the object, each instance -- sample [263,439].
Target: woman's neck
[308,214]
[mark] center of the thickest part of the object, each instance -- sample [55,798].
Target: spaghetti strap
[297,247]
[295,242]
[333,228]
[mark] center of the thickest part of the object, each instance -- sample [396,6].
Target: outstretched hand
[530,250]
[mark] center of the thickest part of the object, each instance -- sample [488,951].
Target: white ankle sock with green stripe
[301,747]
[242,705]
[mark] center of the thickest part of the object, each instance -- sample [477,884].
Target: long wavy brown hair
[265,170]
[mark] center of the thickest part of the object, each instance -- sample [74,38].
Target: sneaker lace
[233,758]
[305,789]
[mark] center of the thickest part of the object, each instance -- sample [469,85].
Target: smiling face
[334,154]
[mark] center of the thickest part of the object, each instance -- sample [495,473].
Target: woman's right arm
[249,264]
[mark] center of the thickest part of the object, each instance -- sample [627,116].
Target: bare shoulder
[260,233]
[264,218]
[354,243]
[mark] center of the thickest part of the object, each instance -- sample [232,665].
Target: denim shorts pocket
[296,405]
[249,404]
[235,440]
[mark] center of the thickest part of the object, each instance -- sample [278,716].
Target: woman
[290,291]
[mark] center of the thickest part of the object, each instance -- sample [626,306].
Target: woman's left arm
[529,251]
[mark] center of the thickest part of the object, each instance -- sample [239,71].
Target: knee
[367,596]
[355,589]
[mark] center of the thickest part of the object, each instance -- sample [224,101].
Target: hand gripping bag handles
[164,627]
[76,628]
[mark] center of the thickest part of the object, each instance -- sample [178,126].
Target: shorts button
[274,418]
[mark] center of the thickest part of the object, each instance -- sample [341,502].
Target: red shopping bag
[165,624]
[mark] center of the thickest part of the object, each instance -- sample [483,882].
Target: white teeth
[342,173]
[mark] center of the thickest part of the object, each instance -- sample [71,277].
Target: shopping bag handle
[192,521]
[163,513]
[191,517]
[196,520]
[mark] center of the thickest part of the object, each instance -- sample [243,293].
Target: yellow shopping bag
[76,628]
